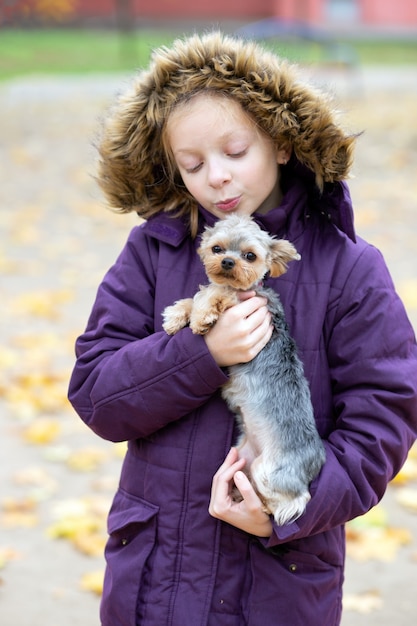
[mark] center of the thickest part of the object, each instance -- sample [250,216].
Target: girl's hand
[247,514]
[241,331]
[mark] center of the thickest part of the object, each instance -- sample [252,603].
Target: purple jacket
[168,562]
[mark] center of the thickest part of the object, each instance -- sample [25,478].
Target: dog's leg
[285,503]
[177,316]
[208,305]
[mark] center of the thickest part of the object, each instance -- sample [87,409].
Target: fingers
[250,304]
[248,514]
[223,483]
[245,295]
[240,332]
[249,495]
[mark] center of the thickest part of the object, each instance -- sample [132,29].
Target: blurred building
[382,14]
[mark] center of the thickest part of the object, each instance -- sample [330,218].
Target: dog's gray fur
[269,395]
[271,399]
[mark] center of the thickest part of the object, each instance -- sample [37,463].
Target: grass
[24,52]
[74,51]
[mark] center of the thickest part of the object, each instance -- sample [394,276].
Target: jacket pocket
[300,587]
[132,531]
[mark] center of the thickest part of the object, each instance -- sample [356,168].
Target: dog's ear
[282,252]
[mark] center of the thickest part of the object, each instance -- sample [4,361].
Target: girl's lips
[229,204]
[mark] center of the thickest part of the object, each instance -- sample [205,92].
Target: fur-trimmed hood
[133,170]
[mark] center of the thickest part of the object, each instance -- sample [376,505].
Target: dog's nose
[228,263]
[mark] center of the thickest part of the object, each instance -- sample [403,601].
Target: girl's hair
[135,171]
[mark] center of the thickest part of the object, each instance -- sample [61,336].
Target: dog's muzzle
[228,263]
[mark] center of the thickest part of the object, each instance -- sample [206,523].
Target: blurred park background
[61,63]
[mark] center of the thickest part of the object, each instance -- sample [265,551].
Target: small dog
[269,395]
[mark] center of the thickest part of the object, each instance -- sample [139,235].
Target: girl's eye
[237,155]
[192,170]
[250,256]
[217,250]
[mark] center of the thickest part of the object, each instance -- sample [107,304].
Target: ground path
[56,241]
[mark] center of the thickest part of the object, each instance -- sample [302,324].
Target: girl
[219,126]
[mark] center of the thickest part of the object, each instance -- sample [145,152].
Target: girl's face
[227,164]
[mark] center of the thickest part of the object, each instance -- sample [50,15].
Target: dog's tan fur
[202,311]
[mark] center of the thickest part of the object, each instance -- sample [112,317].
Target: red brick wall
[212,9]
[370,12]
[389,12]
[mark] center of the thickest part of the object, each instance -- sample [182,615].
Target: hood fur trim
[133,168]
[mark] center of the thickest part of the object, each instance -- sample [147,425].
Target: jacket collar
[333,203]
[167,228]
[301,199]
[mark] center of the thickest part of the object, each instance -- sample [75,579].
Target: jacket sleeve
[372,355]
[129,381]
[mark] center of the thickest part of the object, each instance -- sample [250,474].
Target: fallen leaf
[33,393]
[19,513]
[407,473]
[82,522]
[407,290]
[86,459]
[56,453]
[8,358]
[370,537]
[42,431]
[413,452]
[379,544]
[407,497]
[72,527]
[90,543]
[42,485]
[120,449]
[364,603]
[93,581]
[375,517]
[6,555]
[44,304]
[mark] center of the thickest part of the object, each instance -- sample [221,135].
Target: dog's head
[237,253]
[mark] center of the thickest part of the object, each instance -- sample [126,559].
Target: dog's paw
[201,324]
[177,316]
[287,509]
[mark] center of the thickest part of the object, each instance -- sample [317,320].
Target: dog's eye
[217,249]
[249,256]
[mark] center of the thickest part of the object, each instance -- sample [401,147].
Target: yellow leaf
[45,304]
[407,497]
[407,473]
[413,453]
[93,581]
[30,394]
[71,527]
[376,517]
[370,537]
[89,543]
[19,513]
[120,449]
[8,358]
[86,460]
[7,266]
[42,431]
[407,290]
[41,483]
[379,544]
[6,555]
[364,603]
[83,523]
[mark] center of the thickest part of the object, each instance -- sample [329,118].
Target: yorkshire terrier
[269,395]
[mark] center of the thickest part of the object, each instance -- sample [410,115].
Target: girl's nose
[218,173]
